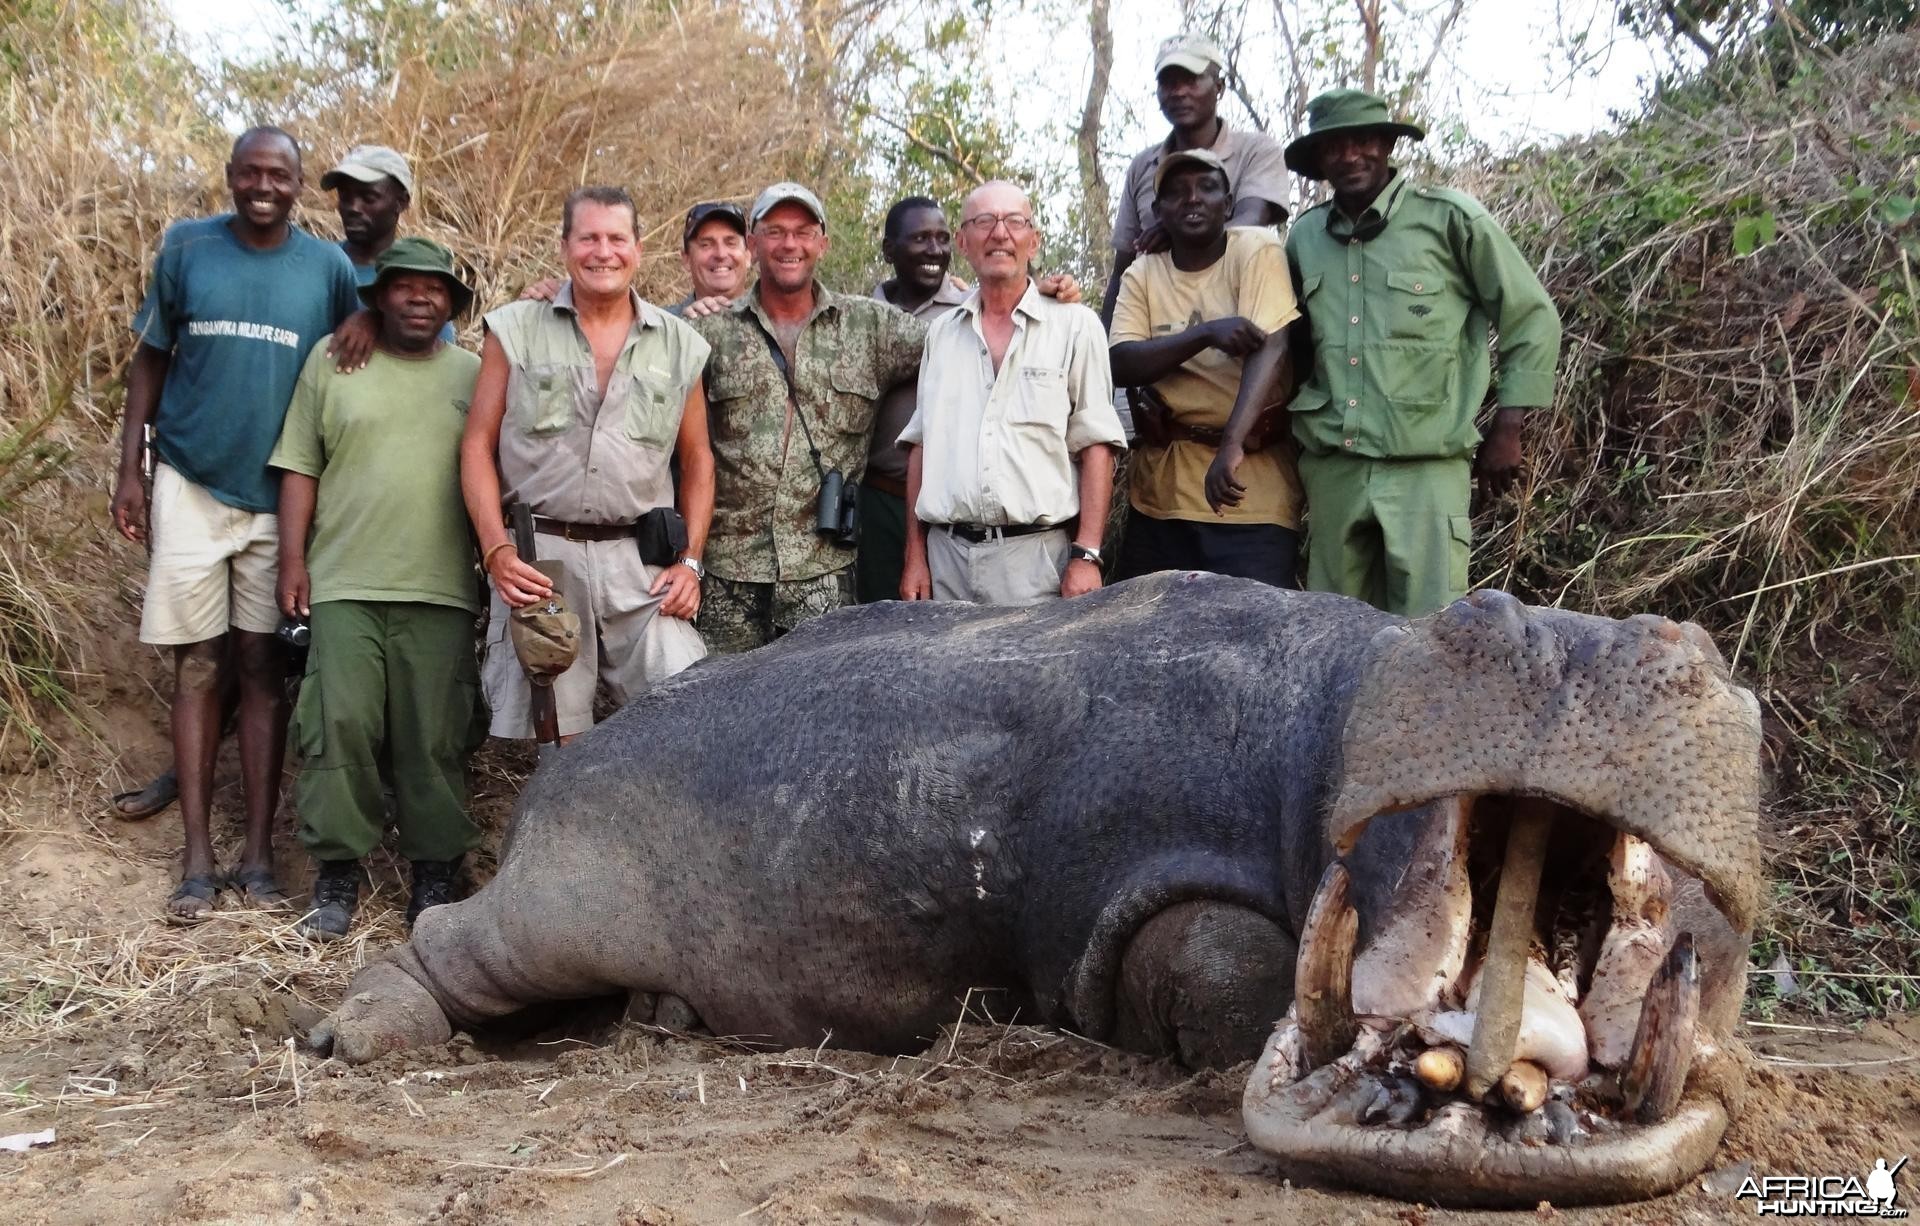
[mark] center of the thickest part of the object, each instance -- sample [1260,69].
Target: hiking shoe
[336,892]
[434,883]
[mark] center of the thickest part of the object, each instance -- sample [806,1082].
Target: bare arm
[518,583]
[1253,211]
[916,581]
[1122,260]
[146,375]
[1266,380]
[1139,363]
[298,492]
[695,450]
[1096,492]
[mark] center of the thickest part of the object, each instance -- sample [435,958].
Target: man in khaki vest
[580,404]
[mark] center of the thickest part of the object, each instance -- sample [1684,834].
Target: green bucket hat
[1342,110]
[418,255]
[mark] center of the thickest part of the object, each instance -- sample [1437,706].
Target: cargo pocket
[855,394]
[1459,550]
[1415,309]
[309,715]
[653,418]
[543,399]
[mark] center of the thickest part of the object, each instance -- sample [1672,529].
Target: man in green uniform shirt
[374,549]
[1400,284]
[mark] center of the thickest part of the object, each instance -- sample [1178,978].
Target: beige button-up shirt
[999,448]
[567,451]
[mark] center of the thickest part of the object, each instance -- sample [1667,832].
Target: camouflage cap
[546,636]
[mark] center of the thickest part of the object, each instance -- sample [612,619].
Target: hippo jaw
[1543,1009]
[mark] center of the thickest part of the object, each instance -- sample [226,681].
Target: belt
[581,532]
[984,532]
[1258,438]
[886,485]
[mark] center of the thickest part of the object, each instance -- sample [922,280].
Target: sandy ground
[168,1063]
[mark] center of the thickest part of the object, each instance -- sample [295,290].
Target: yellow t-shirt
[1156,300]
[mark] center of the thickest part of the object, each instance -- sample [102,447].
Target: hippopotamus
[1170,815]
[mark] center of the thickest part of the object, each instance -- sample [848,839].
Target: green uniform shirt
[1400,321]
[384,443]
[766,488]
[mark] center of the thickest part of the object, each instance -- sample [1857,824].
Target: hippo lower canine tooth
[1656,1070]
[1323,978]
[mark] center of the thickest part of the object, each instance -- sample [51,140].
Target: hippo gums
[1494,870]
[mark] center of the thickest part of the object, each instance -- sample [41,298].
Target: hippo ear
[1634,722]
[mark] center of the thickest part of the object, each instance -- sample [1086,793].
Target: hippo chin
[1516,841]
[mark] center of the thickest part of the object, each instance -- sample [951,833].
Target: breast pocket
[1040,397]
[541,399]
[855,392]
[1417,306]
[653,412]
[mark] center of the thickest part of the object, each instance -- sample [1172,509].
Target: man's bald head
[996,196]
[997,234]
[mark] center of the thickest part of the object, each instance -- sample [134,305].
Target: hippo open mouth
[1539,1006]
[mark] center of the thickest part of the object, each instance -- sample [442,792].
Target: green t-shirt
[384,443]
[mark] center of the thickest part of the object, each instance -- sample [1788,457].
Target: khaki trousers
[1017,570]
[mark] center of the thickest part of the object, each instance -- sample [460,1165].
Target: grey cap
[782,193]
[370,164]
[1193,52]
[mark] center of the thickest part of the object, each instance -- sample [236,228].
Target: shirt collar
[948,295]
[824,300]
[645,314]
[1222,141]
[1371,222]
[1029,304]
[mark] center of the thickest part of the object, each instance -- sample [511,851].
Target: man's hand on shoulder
[700,308]
[1060,286]
[352,342]
[546,289]
[1153,241]
[1234,336]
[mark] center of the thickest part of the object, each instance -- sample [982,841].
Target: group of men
[710,475]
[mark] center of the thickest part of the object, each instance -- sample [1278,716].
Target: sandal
[138,804]
[192,899]
[257,888]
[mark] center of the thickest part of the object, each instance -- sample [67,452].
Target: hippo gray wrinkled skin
[1122,811]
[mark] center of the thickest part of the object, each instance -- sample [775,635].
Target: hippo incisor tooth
[1656,1069]
[1440,1068]
[1509,939]
[1323,976]
[1524,1086]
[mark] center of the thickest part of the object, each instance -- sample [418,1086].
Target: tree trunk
[1096,224]
[1370,43]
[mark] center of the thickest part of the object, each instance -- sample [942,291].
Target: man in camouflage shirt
[795,375]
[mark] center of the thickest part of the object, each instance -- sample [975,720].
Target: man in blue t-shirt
[235,303]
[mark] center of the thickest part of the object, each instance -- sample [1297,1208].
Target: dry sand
[161,1058]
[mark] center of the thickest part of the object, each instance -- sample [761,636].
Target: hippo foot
[386,1010]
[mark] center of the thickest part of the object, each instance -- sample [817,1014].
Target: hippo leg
[387,1009]
[1203,981]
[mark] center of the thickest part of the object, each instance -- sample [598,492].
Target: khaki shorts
[624,642]
[211,565]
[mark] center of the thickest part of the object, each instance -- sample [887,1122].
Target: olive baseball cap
[546,636]
[1190,157]
[782,193]
[418,255]
[712,210]
[1343,110]
[370,164]
[1194,52]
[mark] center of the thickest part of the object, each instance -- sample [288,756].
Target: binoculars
[837,517]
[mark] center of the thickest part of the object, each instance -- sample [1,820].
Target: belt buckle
[567,534]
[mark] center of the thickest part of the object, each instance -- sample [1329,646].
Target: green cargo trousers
[1394,533]
[393,682]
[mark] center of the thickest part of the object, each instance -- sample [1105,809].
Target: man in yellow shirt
[1203,327]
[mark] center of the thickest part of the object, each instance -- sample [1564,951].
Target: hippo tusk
[1323,976]
[1636,941]
[1656,1069]
[1509,938]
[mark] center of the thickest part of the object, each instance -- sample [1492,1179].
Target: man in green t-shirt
[374,550]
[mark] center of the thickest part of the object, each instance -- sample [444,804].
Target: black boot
[336,892]
[434,882]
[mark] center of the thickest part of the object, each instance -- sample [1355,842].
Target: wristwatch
[693,564]
[1082,553]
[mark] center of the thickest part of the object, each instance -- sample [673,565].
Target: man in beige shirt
[579,405]
[1012,443]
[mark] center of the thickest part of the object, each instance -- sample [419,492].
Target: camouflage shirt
[851,350]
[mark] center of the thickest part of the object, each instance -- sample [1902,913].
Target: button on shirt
[565,450]
[766,490]
[999,448]
[1400,301]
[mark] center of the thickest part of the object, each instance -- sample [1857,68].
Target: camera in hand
[294,632]
[838,514]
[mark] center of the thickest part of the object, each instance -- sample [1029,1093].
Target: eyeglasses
[984,223]
[780,234]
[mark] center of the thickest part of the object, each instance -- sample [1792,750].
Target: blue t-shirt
[364,274]
[238,323]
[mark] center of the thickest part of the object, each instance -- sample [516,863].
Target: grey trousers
[1018,570]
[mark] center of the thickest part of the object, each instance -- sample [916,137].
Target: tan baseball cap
[369,164]
[1190,157]
[782,193]
[1194,52]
